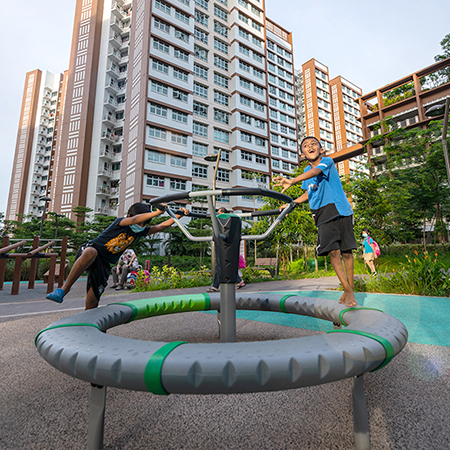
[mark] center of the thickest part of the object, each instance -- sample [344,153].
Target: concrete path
[42,408]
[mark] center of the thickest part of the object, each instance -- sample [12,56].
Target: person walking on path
[369,252]
[331,210]
[97,256]
[127,262]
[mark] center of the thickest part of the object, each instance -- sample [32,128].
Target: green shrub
[421,274]
[182,263]
[171,278]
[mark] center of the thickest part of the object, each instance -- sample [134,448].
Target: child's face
[311,149]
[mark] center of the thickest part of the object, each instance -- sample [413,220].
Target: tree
[445,44]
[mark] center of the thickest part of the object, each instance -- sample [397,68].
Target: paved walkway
[42,408]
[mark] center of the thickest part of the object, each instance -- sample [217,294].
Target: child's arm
[302,199]
[286,183]
[166,224]
[139,218]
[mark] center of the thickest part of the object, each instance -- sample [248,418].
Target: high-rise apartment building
[36,145]
[329,110]
[406,101]
[154,86]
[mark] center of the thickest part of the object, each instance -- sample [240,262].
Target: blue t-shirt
[114,240]
[326,195]
[367,248]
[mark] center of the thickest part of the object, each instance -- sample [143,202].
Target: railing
[34,255]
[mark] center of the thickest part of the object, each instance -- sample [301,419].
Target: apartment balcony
[102,210]
[115,40]
[101,190]
[113,88]
[108,154]
[108,136]
[121,106]
[117,10]
[116,24]
[104,172]
[122,74]
[109,118]
[111,101]
[114,192]
[124,59]
[114,55]
[115,175]
[112,69]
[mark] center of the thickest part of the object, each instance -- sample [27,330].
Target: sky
[370,43]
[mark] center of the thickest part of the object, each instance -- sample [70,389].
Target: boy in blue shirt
[331,210]
[97,256]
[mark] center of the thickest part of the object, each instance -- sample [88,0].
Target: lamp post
[438,110]
[211,158]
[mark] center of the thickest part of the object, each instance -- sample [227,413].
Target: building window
[244,34]
[221,29]
[221,98]
[260,159]
[221,136]
[221,80]
[180,139]
[163,6]
[224,154]
[160,45]
[158,110]
[245,118]
[180,74]
[200,35]
[156,157]
[220,13]
[245,100]
[245,50]
[223,175]
[244,66]
[199,149]
[159,88]
[160,66]
[161,25]
[257,73]
[260,124]
[260,142]
[179,116]
[155,181]
[200,53]
[200,71]
[258,90]
[220,45]
[179,34]
[199,171]
[202,3]
[157,133]
[200,90]
[220,62]
[181,54]
[177,185]
[244,83]
[180,95]
[221,116]
[259,106]
[257,57]
[199,129]
[246,156]
[200,109]
[178,161]
[246,137]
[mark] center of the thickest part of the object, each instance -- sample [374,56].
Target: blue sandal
[57,295]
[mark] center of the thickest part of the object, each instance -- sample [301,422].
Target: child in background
[97,256]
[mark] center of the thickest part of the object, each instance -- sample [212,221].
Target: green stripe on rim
[354,309]
[283,300]
[152,374]
[390,353]
[67,325]
[151,307]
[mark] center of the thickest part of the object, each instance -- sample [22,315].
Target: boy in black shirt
[97,256]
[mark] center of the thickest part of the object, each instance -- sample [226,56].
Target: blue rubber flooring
[426,318]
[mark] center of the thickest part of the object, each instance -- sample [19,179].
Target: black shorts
[336,235]
[97,273]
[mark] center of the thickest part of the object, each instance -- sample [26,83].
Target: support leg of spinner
[96,418]
[360,415]
[227,312]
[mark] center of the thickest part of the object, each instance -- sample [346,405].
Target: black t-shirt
[113,241]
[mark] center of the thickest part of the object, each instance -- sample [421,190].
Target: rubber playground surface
[408,400]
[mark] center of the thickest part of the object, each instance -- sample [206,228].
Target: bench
[56,273]
[269,264]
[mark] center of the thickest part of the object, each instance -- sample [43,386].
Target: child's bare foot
[349,299]
[342,299]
